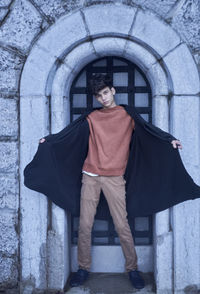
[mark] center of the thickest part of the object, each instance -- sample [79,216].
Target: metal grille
[132,88]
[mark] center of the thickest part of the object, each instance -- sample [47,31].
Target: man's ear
[113,90]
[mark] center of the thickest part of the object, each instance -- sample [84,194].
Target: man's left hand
[176,143]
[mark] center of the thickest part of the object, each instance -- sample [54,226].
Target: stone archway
[56,58]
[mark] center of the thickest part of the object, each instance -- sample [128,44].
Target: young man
[110,132]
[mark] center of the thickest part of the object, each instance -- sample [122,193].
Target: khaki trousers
[114,190]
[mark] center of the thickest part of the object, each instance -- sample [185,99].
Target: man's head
[103,90]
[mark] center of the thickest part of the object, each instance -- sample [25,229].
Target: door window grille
[132,88]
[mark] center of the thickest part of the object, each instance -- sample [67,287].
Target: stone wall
[22,22]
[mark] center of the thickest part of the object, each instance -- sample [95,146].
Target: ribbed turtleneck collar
[110,109]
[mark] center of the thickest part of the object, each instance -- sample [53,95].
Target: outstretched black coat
[156,178]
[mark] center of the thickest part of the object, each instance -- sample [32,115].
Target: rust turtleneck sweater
[109,140]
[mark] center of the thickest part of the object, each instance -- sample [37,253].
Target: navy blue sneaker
[136,280]
[79,277]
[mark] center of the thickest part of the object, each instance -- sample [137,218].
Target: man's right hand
[42,140]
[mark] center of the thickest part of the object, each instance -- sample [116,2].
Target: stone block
[185,126]
[164,261]
[107,19]
[8,157]
[66,31]
[186,217]
[183,71]
[158,80]
[9,272]
[3,12]
[154,32]
[139,55]
[186,220]
[160,111]
[34,113]
[186,21]
[33,235]
[11,66]
[82,54]
[8,232]
[21,26]
[9,117]
[161,7]
[9,189]
[109,46]
[5,3]
[55,9]
[36,72]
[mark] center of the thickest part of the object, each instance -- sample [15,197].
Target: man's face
[106,97]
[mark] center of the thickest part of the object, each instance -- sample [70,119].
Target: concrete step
[112,283]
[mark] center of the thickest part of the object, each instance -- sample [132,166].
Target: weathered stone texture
[9,190]
[8,249]
[22,22]
[160,7]
[10,68]
[186,21]
[9,272]
[54,9]
[183,15]
[9,118]
[8,157]
[21,25]
[4,3]
[3,12]
[107,19]
[104,2]
[153,32]
[8,234]
[185,75]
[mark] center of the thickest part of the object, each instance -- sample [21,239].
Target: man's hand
[176,142]
[42,140]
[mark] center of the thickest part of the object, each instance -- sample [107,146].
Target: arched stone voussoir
[108,45]
[109,18]
[183,71]
[153,32]
[36,71]
[140,55]
[156,73]
[159,80]
[64,34]
[81,55]
[145,60]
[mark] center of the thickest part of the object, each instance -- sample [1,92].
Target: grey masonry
[162,38]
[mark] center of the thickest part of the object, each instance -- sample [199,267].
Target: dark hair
[99,81]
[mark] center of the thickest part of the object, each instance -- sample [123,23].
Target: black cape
[156,178]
